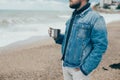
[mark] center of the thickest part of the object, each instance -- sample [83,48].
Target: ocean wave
[8,21]
[64,16]
[30,20]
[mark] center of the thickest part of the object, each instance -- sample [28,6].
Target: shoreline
[26,42]
[34,39]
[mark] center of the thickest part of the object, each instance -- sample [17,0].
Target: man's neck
[82,4]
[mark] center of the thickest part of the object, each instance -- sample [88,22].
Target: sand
[40,59]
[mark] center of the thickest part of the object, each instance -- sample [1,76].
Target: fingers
[50,31]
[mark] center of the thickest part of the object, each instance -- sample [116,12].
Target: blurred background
[22,19]
[28,53]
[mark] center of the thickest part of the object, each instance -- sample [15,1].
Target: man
[84,41]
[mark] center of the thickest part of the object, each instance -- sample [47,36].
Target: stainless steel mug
[55,32]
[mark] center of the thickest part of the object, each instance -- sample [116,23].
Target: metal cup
[55,33]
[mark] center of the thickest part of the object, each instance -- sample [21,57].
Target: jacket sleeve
[100,43]
[59,39]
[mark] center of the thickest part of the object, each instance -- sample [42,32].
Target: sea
[18,25]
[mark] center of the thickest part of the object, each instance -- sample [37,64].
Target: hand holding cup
[54,33]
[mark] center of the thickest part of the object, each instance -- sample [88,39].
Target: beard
[75,6]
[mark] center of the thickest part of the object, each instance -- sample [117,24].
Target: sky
[32,4]
[36,4]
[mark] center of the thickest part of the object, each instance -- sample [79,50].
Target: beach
[40,59]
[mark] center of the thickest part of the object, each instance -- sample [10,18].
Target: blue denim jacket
[87,43]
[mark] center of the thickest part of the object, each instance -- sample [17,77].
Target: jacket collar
[85,12]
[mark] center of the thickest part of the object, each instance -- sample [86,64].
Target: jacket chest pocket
[83,31]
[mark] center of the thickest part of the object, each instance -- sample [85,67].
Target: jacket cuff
[83,71]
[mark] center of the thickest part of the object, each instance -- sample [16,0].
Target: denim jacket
[87,43]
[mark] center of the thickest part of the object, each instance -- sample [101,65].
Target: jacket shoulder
[94,16]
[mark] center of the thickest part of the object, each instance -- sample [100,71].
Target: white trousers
[72,74]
